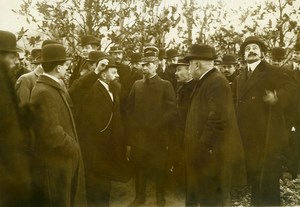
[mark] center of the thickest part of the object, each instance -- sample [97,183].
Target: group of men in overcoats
[228,130]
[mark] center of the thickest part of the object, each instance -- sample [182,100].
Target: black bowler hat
[49,42]
[253,40]
[181,62]
[172,53]
[229,60]
[201,52]
[94,56]
[8,42]
[89,40]
[54,53]
[136,57]
[115,49]
[278,53]
[35,55]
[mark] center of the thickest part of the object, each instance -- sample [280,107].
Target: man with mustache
[261,93]
[101,132]
[229,67]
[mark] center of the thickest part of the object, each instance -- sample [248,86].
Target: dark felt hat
[8,42]
[162,53]
[181,62]
[278,53]
[94,56]
[136,57]
[297,46]
[54,53]
[150,54]
[201,52]
[253,40]
[49,42]
[172,53]
[229,60]
[35,55]
[114,49]
[89,40]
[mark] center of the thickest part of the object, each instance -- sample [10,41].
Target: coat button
[253,97]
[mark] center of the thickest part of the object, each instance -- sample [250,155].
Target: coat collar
[104,91]
[46,80]
[203,78]
[151,80]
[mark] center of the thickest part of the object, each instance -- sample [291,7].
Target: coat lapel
[257,75]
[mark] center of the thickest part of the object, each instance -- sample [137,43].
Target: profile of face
[110,75]
[173,60]
[149,69]
[62,69]
[182,73]
[227,70]
[136,66]
[118,56]
[9,59]
[194,69]
[252,53]
[86,49]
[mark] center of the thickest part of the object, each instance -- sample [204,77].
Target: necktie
[249,73]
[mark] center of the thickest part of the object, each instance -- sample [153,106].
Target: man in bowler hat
[15,179]
[213,148]
[278,56]
[151,108]
[58,168]
[228,68]
[261,94]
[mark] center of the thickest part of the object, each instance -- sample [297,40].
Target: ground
[123,193]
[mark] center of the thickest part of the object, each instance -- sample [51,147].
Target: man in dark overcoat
[261,94]
[151,108]
[213,148]
[101,133]
[15,179]
[58,168]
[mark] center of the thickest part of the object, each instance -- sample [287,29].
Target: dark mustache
[252,53]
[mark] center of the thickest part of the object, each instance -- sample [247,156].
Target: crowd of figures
[68,127]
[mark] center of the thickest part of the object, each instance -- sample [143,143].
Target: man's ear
[58,68]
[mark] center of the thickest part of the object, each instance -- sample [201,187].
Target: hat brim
[13,50]
[180,64]
[196,57]
[57,60]
[262,45]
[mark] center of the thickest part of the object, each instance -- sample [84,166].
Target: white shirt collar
[106,86]
[295,66]
[252,66]
[53,78]
[205,74]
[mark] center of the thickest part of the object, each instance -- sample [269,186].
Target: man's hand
[270,97]
[101,66]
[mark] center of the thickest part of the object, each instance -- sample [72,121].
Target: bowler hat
[255,40]
[150,54]
[162,53]
[8,42]
[201,52]
[89,40]
[297,46]
[49,42]
[172,53]
[94,56]
[114,49]
[54,53]
[181,62]
[229,60]
[278,53]
[136,57]
[35,55]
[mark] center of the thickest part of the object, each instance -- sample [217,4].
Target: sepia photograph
[145,103]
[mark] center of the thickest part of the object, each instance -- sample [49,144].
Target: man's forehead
[182,67]
[252,45]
